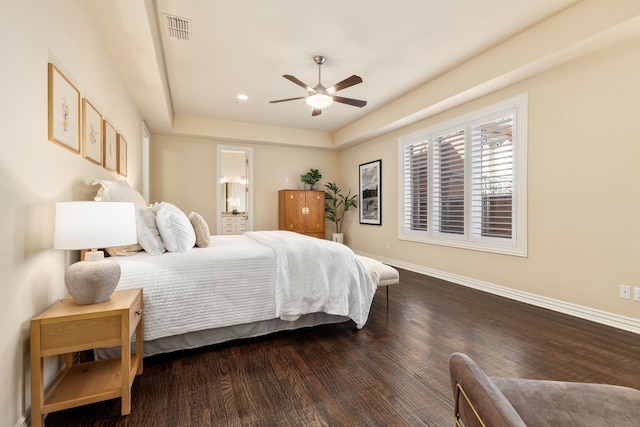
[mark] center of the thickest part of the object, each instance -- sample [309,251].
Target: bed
[249,285]
[200,289]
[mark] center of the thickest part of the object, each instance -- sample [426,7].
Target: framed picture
[109,148]
[370,194]
[91,133]
[64,111]
[122,155]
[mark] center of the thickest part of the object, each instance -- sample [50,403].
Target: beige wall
[583,198]
[183,172]
[35,173]
[583,155]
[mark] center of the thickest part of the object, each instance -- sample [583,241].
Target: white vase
[92,282]
[338,237]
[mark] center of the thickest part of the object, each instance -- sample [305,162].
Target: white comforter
[314,275]
[248,278]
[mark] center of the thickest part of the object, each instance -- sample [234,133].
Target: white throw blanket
[315,275]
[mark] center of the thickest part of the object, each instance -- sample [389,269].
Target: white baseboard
[25,421]
[602,317]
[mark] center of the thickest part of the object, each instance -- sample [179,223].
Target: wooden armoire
[301,211]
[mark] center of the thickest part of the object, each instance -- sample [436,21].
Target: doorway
[234,183]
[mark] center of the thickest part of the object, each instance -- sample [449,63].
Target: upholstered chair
[481,400]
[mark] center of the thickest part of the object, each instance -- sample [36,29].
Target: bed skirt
[207,337]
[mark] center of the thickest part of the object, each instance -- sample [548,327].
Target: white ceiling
[244,46]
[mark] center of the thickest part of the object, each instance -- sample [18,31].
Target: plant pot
[338,237]
[307,186]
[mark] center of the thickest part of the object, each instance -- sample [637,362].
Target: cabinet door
[292,207]
[228,225]
[315,216]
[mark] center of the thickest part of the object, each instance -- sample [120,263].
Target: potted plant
[310,178]
[336,205]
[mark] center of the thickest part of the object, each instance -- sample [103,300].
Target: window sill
[475,246]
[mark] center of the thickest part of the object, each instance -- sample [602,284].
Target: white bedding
[247,278]
[314,275]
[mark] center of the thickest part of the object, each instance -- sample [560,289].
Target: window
[464,183]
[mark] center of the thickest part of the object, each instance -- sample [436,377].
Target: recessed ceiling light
[243,97]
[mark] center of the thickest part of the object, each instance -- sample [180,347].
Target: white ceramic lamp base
[91,282]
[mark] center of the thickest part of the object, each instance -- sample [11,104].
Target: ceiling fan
[320,97]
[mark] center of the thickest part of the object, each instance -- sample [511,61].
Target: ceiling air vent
[177,28]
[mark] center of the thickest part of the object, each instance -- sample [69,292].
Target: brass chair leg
[456,409]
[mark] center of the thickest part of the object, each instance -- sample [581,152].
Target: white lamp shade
[94,225]
[319,100]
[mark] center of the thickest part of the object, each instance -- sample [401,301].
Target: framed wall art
[64,111]
[91,133]
[110,147]
[122,155]
[370,193]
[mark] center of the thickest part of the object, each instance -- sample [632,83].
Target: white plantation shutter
[492,167]
[463,183]
[415,183]
[448,182]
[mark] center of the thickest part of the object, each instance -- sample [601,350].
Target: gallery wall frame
[122,155]
[64,110]
[370,193]
[110,146]
[91,133]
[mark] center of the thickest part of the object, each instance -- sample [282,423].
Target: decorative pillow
[175,228]
[112,190]
[201,229]
[148,234]
[127,250]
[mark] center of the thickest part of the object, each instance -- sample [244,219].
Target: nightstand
[67,327]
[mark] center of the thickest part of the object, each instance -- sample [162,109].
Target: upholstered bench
[388,275]
[481,400]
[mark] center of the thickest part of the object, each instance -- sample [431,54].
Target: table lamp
[92,226]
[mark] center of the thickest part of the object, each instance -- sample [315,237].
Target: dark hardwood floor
[393,372]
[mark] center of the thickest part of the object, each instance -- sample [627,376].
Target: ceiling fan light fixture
[320,96]
[319,100]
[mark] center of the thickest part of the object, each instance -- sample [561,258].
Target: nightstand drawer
[136,313]
[76,335]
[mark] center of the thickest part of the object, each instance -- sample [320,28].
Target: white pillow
[201,228]
[148,234]
[113,190]
[175,228]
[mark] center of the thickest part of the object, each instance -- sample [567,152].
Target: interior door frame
[220,205]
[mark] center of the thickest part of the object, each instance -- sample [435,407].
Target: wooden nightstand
[67,327]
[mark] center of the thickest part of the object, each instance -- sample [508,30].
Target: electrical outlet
[636,294]
[625,292]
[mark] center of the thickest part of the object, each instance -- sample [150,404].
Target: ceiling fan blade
[350,101]
[298,82]
[348,82]
[288,99]
[316,112]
